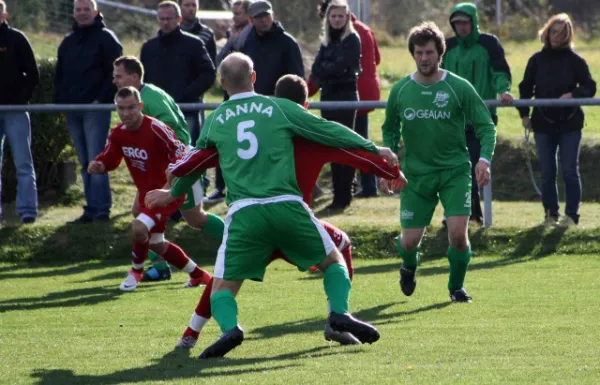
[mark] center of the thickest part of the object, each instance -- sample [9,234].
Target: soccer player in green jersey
[128,71]
[253,135]
[428,110]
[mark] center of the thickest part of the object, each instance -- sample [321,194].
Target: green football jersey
[431,121]
[160,105]
[253,134]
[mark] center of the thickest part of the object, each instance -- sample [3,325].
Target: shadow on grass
[105,244]
[374,315]
[178,365]
[58,269]
[88,296]
[70,298]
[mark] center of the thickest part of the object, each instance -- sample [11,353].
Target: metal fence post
[487,204]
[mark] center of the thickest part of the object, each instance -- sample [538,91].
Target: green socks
[214,227]
[459,261]
[224,309]
[157,261]
[409,258]
[337,287]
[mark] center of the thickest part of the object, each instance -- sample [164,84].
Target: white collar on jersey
[243,95]
[412,76]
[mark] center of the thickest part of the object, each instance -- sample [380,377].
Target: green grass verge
[530,323]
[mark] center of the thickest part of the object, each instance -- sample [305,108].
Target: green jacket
[479,58]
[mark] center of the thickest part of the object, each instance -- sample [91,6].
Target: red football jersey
[309,159]
[147,152]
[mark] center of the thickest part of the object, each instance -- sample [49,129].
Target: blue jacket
[85,64]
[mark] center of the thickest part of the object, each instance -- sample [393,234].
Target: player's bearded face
[130,111]
[427,59]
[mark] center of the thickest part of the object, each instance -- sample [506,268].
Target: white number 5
[242,136]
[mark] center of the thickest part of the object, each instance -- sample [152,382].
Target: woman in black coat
[335,71]
[557,72]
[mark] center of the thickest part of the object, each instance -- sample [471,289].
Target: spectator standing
[178,62]
[335,71]
[369,88]
[19,76]
[238,33]
[84,75]
[557,71]
[191,24]
[274,52]
[236,37]
[479,58]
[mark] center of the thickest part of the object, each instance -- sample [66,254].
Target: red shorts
[340,239]
[156,219]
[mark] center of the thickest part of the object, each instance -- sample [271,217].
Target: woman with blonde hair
[557,72]
[335,71]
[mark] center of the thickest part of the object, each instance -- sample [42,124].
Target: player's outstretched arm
[478,113]
[311,127]
[391,128]
[158,198]
[189,169]
[388,155]
[112,155]
[181,185]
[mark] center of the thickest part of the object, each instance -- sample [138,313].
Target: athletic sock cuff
[221,294]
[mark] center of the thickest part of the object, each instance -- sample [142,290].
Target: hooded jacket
[274,54]
[479,58]
[549,74]
[206,34]
[85,64]
[18,69]
[179,64]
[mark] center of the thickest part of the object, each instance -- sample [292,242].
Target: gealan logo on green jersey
[411,113]
[441,99]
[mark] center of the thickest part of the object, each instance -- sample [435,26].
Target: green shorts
[421,194]
[254,229]
[193,196]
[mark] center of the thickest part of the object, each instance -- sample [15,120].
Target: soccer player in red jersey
[310,158]
[148,147]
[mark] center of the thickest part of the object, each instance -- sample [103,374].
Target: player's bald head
[236,71]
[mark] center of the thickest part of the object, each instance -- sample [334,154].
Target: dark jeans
[474,153]
[341,175]
[89,130]
[367,181]
[474,147]
[16,127]
[219,181]
[567,146]
[194,126]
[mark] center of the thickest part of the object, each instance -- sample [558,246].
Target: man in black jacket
[178,62]
[191,24]
[84,75]
[18,77]
[274,52]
